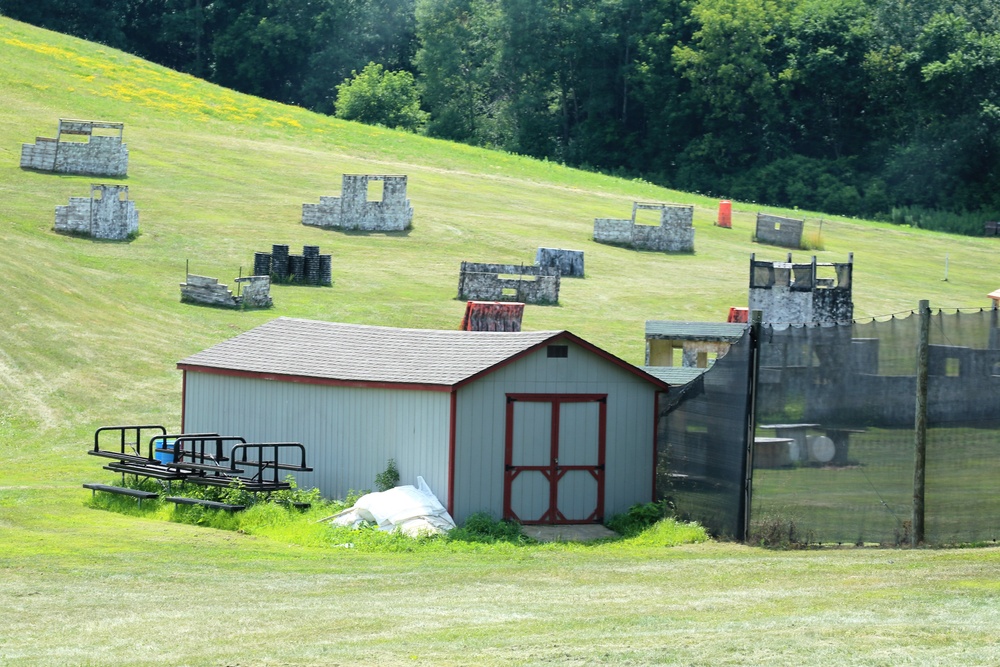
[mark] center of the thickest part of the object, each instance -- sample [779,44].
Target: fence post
[743,529]
[920,425]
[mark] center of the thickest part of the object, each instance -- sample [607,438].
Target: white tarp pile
[413,510]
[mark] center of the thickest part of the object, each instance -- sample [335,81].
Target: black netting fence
[963,436]
[834,445]
[701,444]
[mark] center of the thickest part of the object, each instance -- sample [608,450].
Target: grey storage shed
[538,427]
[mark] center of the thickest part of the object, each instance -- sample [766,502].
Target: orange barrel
[725,214]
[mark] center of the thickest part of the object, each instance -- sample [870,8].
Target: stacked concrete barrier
[106,214]
[569,263]
[675,233]
[352,210]
[508,282]
[99,155]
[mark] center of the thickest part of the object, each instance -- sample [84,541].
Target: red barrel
[725,214]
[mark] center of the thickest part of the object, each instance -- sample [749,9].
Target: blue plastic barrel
[164,444]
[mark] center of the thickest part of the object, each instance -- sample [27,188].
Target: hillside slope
[91,331]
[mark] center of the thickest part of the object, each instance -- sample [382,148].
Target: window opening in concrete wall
[826,275]
[376,190]
[509,291]
[557,351]
[647,217]
[678,356]
[952,367]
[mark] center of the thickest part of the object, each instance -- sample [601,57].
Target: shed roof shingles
[360,353]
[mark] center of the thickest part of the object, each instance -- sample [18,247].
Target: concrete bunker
[255,292]
[508,282]
[100,153]
[805,293]
[674,233]
[106,214]
[568,262]
[309,268]
[386,210]
[779,231]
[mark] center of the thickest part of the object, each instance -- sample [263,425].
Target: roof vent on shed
[558,351]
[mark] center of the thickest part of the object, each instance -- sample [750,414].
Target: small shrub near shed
[638,518]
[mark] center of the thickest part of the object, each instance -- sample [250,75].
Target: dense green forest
[887,109]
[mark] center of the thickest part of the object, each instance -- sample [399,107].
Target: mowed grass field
[90,333]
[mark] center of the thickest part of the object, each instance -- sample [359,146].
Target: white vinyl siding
[349,432]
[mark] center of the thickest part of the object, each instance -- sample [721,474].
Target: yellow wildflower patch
[285,120]
[44,49]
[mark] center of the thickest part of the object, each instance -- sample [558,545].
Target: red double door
[554,458]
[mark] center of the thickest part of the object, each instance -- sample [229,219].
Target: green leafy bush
[388,478]
[375,96]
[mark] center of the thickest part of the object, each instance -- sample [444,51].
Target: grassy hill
[90,333]
[96,327]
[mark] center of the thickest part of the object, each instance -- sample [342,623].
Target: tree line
[886,108]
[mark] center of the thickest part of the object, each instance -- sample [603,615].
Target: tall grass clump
[638,518]
[668,532]
[773,531]
[812,239]
[653,525]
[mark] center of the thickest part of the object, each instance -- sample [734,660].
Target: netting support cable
[879,496]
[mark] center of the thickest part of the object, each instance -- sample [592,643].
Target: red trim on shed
[602,447]
[427,386]
[557,398]
[508,457]
[635,370]
[452,422]
[554,472]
